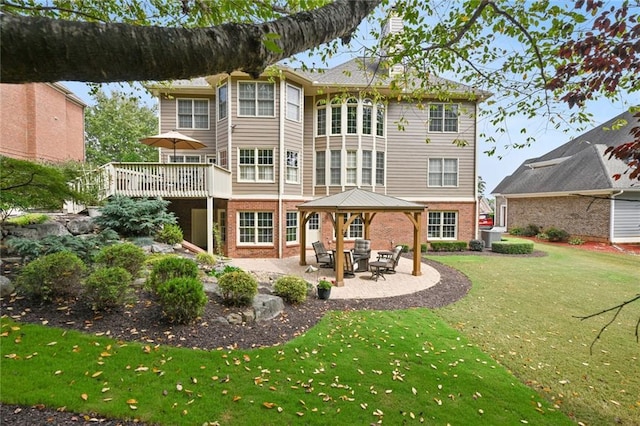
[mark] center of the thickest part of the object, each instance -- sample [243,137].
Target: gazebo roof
[359,200]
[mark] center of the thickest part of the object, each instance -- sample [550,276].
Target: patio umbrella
[172,139]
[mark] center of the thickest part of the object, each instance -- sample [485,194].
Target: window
[320,168]
[352,116]
[292,167]
[193,113]
[184,158]
[367,116]
[356,229]
[222,225]
[335,167]
[255,227]
[367,161]
[379,168]
[256,99]
[336,116]
[443,118]
[443,172]
[256,165]
[223,101]
[223,160]
[293,103]
[321,117]
[292,227]
[314,222]
[380,120]
[352,167]
[442,225]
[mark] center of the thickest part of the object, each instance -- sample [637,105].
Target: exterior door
[503,215]
[313,229]
[199,227]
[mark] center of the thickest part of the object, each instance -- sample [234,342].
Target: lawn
[521,312]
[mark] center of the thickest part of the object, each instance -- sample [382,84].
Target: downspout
[476,226]
[281,156]
[611,213]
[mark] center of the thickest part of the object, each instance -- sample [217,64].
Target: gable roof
[356,200]
[578,165]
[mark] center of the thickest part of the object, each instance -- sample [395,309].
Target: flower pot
[324,293]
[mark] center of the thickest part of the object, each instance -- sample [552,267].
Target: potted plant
[324,289]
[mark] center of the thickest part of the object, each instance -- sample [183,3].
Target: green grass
[352,368]
[521,312]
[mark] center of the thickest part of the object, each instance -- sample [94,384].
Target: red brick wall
[39,122]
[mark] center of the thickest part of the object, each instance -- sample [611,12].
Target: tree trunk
[47,50]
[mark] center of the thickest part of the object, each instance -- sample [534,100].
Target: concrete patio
[359,287]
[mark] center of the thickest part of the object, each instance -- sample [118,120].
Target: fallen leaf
[84,396]
[269,404]
[96,374]
[237,398]
[131,401]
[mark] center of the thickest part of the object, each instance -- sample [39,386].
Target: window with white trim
[294,100]
[352,167]
[255,228]
[321,117]
[255,165]
[367,162]
[193,113]
[292,227]
[380,120]
[356,228]
[256,99]
[320,167]
[336,116]
[223,159]
[184,158]
[443,172]
[379,168]
[336,166]
[442,225]
[443,118]
[352,116]
[367,116]
[293,170]
[223,101]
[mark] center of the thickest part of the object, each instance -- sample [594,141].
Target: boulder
[81,225]
[50,228]
[267,306]
[6,286]
[248,316]
[234,319]
[161,248]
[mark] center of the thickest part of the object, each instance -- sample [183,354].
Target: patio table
[377,270]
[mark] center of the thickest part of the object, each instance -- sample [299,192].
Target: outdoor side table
[377,270]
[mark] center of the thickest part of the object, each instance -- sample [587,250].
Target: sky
[506,160]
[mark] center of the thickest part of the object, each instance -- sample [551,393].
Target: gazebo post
[338,258]
[417,225]
[303,237]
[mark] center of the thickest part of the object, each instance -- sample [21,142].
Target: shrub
[515,231]
[575,241]
[557,235]
[405,248]
[448,245]
[108,287]
[133,218]
[182,299]
[227,268]
[530,230]
[205,259]
[424,247]
[28,219]
[238,288]
[170,267]
[291,288]
[85,248]
[51,276]
[542,236]
[170,234]
[510,247]
[125,255]
[476,245]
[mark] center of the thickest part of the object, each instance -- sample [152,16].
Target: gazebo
[364,204]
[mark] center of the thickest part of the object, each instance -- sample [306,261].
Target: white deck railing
[167,180]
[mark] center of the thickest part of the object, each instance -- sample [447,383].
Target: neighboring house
[290,136]
[572,188]
[41,121]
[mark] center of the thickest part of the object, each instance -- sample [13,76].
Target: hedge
[448,245]
[509,247]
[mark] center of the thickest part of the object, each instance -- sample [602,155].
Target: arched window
[380,119]
[321,117]
[352,116]
[336,116]
[367,116]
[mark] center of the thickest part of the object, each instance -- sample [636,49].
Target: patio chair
[361,254]
[323,257]
[350,265]
[391,259]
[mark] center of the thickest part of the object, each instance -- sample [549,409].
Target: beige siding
[293,141]
[168,122]
[408,153]
[308,154]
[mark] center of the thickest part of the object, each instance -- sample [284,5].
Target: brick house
[572,188]
[41,121]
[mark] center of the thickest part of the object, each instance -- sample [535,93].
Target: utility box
[490,236]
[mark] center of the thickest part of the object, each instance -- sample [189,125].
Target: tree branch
[43,49]
[61,9]
[618,308]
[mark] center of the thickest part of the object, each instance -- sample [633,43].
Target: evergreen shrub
[168,268]
[182,299]
[448,245]
[108,287]
[238,288]
[292,289]
[125,255]
[52,276]
[170,234]
[476,245]
[509,247]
